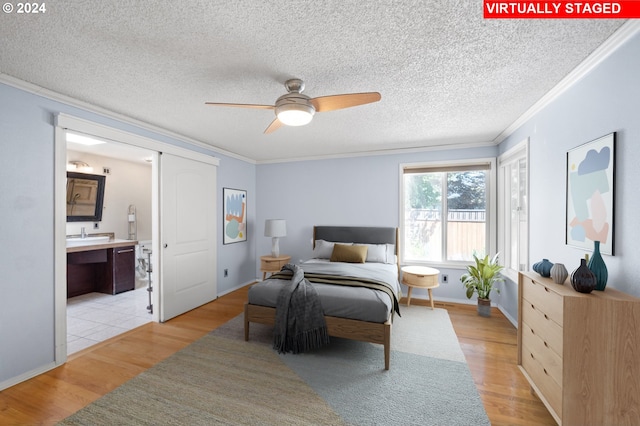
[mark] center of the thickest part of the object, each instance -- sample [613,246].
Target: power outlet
[445,278]
[226,273]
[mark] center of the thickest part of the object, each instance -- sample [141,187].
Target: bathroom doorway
[203,265]
[127,214]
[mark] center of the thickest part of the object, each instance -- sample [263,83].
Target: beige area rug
[221,379]
[215,380]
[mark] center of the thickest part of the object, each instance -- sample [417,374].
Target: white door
[187,234]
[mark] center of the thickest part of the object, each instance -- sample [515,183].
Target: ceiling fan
[296,109]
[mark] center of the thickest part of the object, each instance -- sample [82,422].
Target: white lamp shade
[275,228]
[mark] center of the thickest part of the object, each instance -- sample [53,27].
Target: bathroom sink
[87,241]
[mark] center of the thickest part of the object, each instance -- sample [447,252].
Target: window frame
[515,154]
[491,221]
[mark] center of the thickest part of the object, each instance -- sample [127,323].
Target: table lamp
[275,228]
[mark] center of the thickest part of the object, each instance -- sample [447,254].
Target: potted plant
[480,278]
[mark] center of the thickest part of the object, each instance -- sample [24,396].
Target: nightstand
[272,264]
[421,277]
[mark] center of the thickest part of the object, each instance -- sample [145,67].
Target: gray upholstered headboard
[357,234]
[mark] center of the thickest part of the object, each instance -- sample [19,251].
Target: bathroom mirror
[85,196]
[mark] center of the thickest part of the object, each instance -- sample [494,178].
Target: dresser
[580,352]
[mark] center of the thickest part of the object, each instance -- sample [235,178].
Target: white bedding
[357,303]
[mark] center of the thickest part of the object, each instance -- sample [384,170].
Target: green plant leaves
[481,277]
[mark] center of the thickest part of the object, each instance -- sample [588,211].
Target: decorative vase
[484,307]
[597,266]
[543,267]
[582,279]
[559,273]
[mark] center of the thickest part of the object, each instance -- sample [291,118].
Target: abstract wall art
[234,215]
[590,194]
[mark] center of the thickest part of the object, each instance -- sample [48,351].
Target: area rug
[221,379]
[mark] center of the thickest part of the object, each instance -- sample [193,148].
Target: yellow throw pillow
[350,254]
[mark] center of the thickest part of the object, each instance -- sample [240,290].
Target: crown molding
[391,151]
[58,97]
[617,39]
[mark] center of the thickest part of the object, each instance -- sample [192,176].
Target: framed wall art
[234,213]
[591,194]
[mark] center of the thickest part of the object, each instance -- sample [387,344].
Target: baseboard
[512,320]
[239,286]
[26,376]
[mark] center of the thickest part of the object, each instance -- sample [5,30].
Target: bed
[350,311]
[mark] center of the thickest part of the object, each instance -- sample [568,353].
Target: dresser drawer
[546,357]
[543,299]
[550,390]
[542,326]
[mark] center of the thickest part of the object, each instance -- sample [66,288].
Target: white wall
[606,100]
[359,191]
[27,230]
[128,183]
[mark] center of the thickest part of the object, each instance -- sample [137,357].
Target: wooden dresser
[580,352]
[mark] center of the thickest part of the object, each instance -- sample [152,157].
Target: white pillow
[323,249]
[376,253]
[381,253]
[391,254]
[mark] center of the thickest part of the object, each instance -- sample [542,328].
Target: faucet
[83,234]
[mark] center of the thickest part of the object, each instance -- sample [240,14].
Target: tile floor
[94,317]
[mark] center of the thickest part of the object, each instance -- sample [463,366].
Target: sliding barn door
[187,234]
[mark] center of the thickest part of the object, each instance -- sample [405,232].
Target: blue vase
[597,266]
[543,267]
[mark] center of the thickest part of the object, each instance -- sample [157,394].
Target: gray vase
[559,273]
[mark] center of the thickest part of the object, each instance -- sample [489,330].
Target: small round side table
[421,277]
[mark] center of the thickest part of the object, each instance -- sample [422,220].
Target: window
[445,213]
[513,206]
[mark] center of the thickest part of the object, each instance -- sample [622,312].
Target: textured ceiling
[446,75]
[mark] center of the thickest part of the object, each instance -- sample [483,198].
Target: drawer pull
[533,332]
[546,289]
[532,357]
[125,251]
[545,344]
[545,371]
[546,317]
[533,307]
[420,276]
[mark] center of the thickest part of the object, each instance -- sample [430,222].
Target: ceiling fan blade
[241,105]
[275,125]
[334,102]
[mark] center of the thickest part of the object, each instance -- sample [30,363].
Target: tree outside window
[445,213]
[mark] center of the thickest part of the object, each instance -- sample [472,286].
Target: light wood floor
[489,345]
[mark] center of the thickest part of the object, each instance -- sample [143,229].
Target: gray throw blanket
[300,324]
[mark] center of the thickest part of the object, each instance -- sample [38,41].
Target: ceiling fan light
[295,114]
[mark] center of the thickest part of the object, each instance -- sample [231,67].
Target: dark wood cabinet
[106,270]
[121,269]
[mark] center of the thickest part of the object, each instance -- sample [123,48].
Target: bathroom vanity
[100,266]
